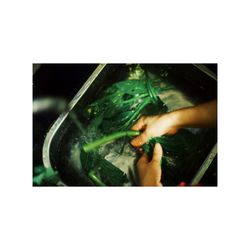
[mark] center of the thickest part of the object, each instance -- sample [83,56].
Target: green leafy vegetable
[45,176]
[102,172]
[116,110]
[122,104]
[92,175]
[110,138]
[175,147]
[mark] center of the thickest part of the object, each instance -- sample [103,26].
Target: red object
[182,184]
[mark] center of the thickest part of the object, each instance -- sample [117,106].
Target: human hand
[153,126]
[149,172]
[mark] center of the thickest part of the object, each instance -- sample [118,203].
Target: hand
[153,126]
[203,115]
[150,172]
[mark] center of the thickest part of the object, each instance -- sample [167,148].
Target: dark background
[54,80]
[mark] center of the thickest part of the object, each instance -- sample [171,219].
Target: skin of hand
[203,115]
[153,126]
[149,172]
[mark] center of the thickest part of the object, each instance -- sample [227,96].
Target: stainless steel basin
[195,84]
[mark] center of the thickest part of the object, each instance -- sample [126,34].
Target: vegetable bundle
[122,104]
[113,114]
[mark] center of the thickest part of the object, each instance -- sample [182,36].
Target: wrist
[178,119]
[174,119]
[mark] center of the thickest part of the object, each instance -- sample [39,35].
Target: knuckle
[139,141]
[147,135]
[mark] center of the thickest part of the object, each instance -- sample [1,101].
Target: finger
[157,154]
[140,124]
[143,160]
[140,140]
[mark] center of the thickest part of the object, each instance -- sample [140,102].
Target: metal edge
[204,167]
[62,117]
[206,70]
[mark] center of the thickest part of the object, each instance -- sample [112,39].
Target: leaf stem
[95,179]
[106,139]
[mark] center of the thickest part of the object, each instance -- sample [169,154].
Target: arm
[203,115]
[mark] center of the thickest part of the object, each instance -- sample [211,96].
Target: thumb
[140,140]
[143,160]
[157,154]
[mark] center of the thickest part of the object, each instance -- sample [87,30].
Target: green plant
[45,176]
[116,110]
[122,104]
[107,139]
[102,172]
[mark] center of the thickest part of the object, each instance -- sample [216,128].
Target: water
[120,153]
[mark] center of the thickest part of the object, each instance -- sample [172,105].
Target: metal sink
[195,84]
